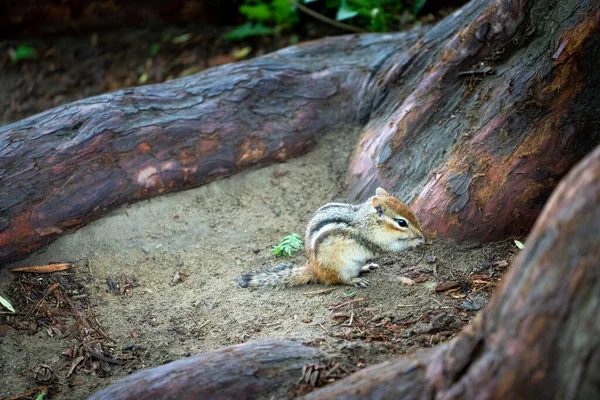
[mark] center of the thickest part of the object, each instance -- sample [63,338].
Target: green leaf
[248,29]
[345,12]
[7,304]
[418,6]
[259,12]
[520,245]
[154,49]
[288,245]
[22,52]
[284,12]
[41,395]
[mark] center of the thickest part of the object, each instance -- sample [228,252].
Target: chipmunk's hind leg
[369,267]
[362,282]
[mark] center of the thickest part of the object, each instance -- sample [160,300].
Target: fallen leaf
[191,71]
[406,281]
[7,304]
[143,78]
[220,60]
[43,269]
[181,38]
[471,305]
[239,54]
[442,287]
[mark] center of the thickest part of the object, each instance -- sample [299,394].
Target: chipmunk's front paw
[369,267]
[360,282]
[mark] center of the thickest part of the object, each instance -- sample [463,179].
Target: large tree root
[245,371]
[477,130]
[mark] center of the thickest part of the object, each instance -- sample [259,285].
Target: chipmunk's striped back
[330,219]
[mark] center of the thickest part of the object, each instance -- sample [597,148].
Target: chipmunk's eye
[402,222]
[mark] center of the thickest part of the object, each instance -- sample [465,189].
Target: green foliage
[22,52]
[257,12]
[264,17]
[154,49]
[519,245]
[41,395]
[284,13]
[381,15]
[268,16]
[288,245]
[248,29]
[345,12]
[417,6]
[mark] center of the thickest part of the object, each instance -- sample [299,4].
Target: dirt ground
[209,236]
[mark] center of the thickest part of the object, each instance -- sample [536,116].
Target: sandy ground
[212,234]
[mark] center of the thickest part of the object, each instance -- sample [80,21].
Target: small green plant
[22,52]
[519,245]
[288,245]
[265,17]
[154,49]
[7,304]
[247,30]
[41,395]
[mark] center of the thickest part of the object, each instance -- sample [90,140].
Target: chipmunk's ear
[378,206]
[381,192]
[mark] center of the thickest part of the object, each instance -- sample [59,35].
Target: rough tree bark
[477,154]
[246,371]
[539,337]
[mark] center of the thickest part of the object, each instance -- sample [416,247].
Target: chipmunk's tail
[287,274]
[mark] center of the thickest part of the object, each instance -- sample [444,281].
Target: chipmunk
[341,238]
